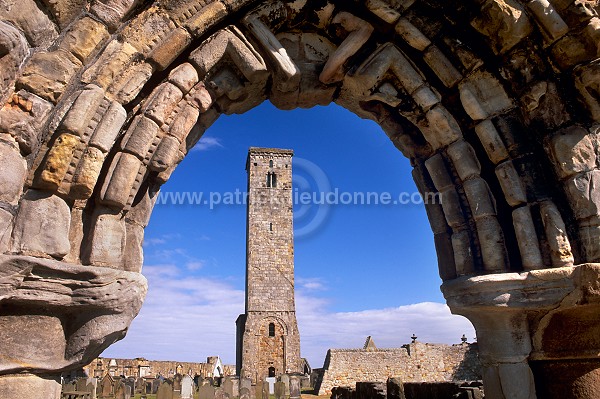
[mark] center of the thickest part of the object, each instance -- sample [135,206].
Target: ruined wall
[167,368]
[495,102]
[415,362]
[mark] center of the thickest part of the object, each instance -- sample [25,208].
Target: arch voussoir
[495,102]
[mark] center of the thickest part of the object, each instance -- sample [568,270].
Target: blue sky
[360,269]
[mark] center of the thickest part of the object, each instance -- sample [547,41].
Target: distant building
[268,341]
[414,362]
[140,367]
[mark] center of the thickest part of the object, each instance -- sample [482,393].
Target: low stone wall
[416,362]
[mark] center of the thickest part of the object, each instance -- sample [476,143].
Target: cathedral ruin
[495,102]
[268,341]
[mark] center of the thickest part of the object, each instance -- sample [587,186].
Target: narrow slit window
[271,329]
[270,226]
[271,163]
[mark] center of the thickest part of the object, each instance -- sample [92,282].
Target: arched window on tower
[271,371]
[271,329]
[271,163]
[271,180]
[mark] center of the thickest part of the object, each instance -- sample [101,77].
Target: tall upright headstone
[165,391]
[187,387]
[268,342]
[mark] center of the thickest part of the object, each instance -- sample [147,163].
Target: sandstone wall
[416,362]
[167,368]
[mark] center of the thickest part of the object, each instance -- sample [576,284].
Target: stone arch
[495,103]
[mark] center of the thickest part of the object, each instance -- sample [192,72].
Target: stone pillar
[538,332]
[29,386]
[504,347]
[56,316]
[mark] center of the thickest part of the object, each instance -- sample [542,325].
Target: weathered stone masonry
[268,341]
[495,102]
[415,362]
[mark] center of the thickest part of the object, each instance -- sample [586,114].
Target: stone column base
[29,386]
[538,331]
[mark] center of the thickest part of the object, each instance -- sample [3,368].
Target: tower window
[271,163]
[271,329]
[271,371]
[271,179]
[270,226]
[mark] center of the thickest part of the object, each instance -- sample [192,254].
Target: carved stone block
[120,179]
[504,23]
[480,197]
[31,20]
[162,101]
[491,140]
[57,161]
[583,192]
[47,73]
[14,172]
[81,40]
[106,245]
[511,184]
[87,174]
[529,246]
[184,76]
[573,150]
[482,96]
[42,225]
[170,48]
[139,136]
[464,159]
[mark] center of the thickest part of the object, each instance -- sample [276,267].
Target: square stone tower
[268,342]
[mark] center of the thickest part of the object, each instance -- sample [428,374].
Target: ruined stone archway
[495,103]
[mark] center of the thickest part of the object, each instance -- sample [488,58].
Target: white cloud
[309,284]
[194,265]
[188,318]
[207,143]
[148,242]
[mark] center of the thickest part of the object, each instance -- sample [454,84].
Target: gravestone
[259,389]
[231,385]
[271,381]
[187,387]
[266,392]
[245,393]
[154,385]
[122,391]
[140,385]
[295,386]
[130,382]
[285,379]
[221,394]
[165,391]
[177,385]
[247,383]
[206,392]
[106,387]
[395,388]
[280,390]
[86,384]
